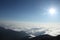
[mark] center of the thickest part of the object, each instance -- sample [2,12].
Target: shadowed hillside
[7,34]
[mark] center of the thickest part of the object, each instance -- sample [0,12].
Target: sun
[52,11]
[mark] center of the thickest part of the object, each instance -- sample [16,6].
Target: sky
[29,10]
[31,16]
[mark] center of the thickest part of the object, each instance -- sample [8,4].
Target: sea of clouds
[31,28]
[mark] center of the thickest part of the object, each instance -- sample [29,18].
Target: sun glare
[52,11]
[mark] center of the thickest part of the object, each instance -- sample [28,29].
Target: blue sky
[29,14]
[29,10]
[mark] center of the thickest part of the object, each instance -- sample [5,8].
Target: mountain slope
[6,34]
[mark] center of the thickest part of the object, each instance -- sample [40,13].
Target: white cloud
[32,28]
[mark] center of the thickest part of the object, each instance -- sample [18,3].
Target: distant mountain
[43,37]
[7,34]
[46,37]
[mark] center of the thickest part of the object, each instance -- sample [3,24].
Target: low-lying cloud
[33,28]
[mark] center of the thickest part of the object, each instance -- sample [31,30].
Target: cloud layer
[33,28]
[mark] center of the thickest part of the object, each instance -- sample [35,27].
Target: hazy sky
[25,15]
[29,10]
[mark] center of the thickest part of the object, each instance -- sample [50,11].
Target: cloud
[33,28]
